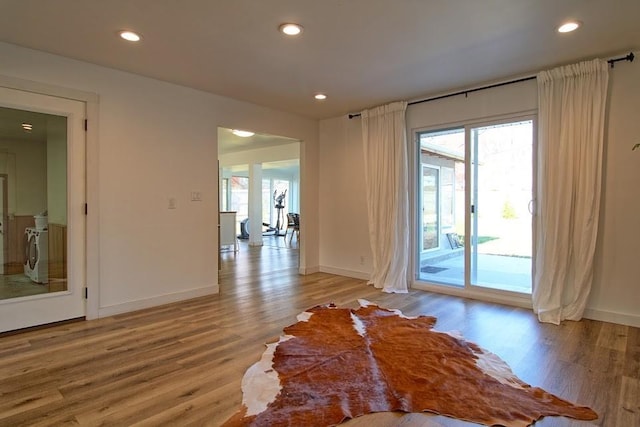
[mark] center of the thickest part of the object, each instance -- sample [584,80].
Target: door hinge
[473,209]
[86,293]
[86,209]
[86,124]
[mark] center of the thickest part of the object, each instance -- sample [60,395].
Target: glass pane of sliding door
[501,199]
[441,207]
[430,217]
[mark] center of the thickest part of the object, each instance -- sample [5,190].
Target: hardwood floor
[181,364]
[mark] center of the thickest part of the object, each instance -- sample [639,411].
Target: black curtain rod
[630,57]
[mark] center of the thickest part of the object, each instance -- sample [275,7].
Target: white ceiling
[361,53]
[282,169]
[230,143]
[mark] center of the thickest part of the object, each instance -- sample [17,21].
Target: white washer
[36,263]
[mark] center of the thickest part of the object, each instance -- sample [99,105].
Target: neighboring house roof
[442,152]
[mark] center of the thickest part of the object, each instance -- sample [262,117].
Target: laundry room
[33,208]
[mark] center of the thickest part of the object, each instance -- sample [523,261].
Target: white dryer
[36,263]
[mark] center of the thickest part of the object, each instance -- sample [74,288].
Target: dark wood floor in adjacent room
[181,364]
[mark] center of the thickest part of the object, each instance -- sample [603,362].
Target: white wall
[155,141]
[616,292]
[261,155]
[57,170]
[344,233]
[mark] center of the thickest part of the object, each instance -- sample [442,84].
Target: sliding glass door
[501,225]
[441,204]
[474,206]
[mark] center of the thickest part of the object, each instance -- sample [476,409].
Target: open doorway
[259,190]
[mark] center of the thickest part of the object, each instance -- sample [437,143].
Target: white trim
[157,300]
[612,317]
[308,270]
[93,218]
[92,101]
[469,290]
[363,275]
[487,295]
[47,89]
[476,121]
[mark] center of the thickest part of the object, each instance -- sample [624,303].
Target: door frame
[5,218]
[466,291]
[91,100]
[471,196]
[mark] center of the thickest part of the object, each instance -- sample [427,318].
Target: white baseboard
[363,275]
[487,295]
[126,307]
[612,317]
[524,302]
[308,270]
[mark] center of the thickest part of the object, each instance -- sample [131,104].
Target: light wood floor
[182,364]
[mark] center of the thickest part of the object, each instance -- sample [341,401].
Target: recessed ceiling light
[569,26]
[290,29]
[129,36]
[320,96]
[242,133]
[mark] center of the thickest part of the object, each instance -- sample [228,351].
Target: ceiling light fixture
[290,29]
[242,133]
[569,26]
[28,127]
[320,96]
[130,36]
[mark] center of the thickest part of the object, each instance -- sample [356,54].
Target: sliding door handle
[530,206]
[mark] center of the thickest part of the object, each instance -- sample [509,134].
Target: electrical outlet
[362,259]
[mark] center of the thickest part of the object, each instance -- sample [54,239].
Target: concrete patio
[503,263]
[510,273]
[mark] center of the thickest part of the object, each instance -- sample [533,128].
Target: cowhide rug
[339,363]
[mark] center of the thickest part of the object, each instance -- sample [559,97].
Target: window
[430,208]
[442,206]
[239,199]
[224,206]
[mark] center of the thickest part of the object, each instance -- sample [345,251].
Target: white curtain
[385,162]
[572,101]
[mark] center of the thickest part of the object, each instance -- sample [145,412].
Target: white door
[47,179]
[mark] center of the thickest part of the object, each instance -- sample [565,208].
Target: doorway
[259,177]
[42,166]
[475,206]
[502,199]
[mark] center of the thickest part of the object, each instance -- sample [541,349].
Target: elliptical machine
[278,201]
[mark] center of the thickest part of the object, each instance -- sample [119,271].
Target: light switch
[172,203]
[196,196]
